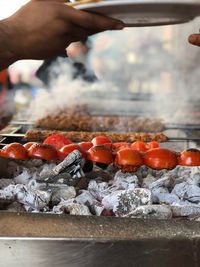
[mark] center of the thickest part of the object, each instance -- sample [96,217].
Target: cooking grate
[190,137]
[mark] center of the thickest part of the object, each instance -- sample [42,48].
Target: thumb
[194,39]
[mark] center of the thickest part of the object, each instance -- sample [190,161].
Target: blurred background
[154,69]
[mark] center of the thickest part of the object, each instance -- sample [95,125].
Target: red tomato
[152,145]
[43,151]
[190,157]
[14,151]
[101,140]
[28,145]
[120,145]
[100,154]
[86,145]
[139,146]
[160,158]
[66,150]
[128,160]
[58,141]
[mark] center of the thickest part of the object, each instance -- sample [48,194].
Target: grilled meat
[37,135]
[97,123]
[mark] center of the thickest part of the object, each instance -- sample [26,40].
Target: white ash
[140,194]
[86,198]
[125,180]
[124,201]
[161,212]
[188,192]
[33,200]
[98,210]
[64,193]
[71,208]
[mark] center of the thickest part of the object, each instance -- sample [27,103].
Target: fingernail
[119,26]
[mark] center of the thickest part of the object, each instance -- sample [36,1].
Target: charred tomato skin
[101,154]
[128,160]
[14,151]
[190,157]
[101,140]
[86,145]
[58,141]
[43,151]
[29,144]
[160,158]
[120,145]
[152,145]
[139,146]
[66,150]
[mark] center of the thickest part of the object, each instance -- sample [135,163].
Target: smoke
[146,72]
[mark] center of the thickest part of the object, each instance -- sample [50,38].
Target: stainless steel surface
[53,240]
[146,13]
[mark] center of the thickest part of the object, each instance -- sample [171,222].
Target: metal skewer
[82,2]
[170,139]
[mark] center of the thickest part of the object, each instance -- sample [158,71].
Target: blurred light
[8,7]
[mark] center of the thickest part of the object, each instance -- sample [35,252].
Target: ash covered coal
[34,186]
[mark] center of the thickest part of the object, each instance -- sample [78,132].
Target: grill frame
[94,241]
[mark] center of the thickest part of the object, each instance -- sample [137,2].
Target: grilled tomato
[42,151]
[66,150]
[56,140]
[101,154]
[120,145]
[190,157]
[86,145]
[139,146]
[160,158]
[14,151]
[101,140]
[128,160]
[152,145]
[29,144]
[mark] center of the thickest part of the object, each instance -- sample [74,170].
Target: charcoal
[165,181]
[5,203]
[10,191]
[5,182]
[125,180]
[64,193]
[24,177]
[184,211]
[188,192]
[148,181]
[33,200]
[71,208]
[194,176]
[98,190]
[70,170]
[86,197]
[161,212]
[124,201]
[97,172]
[162,196]
[98,210]
[15,207]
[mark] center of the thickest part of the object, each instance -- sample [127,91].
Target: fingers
[194,39]
[91,21]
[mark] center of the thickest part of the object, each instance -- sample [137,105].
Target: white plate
[135,13]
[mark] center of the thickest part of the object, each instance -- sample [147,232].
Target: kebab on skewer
[61,121]
[38,135]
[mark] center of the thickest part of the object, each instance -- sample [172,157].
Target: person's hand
[194,39]
[44,28]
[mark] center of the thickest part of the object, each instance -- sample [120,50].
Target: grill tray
[28,239]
